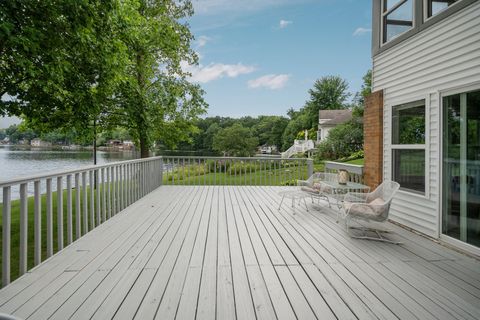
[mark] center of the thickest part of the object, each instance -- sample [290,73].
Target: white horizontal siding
[443,57]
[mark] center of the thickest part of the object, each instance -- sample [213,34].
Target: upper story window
[436,6]
[397,17]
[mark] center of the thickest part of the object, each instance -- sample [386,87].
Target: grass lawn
[15,227]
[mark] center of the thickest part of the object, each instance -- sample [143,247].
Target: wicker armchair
[373,206]
[315,188]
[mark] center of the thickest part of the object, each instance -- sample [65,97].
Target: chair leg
[379,237]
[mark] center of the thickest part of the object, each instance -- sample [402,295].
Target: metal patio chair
[315,188]
[373,206]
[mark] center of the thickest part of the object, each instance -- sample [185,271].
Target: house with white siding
[329,119]
[426,93]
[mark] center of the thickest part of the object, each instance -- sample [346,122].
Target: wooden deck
[227,253]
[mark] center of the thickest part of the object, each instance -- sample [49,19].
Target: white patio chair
[314,187]
[373,206]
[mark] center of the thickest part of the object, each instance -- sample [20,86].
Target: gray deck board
[227,252]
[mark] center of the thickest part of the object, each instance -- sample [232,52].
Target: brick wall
[373,139]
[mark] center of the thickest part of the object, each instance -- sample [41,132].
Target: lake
[17,161]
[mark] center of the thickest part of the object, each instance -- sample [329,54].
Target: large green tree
[235,141]
[328,93]
[60,61]
[156,102]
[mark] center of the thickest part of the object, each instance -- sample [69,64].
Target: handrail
[355,171]
[56,173]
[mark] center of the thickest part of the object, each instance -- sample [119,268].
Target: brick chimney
[373,139]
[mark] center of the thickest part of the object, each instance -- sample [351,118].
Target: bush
[342,141]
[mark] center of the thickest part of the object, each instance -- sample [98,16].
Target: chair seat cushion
[369,210]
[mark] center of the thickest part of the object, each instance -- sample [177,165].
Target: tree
[269,130]
[328,93]
[366,89]
[235,141]
[299,123]
[60,61]
[156,102]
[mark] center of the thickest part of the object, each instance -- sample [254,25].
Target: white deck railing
[92,195]
[235,170]
[355,171]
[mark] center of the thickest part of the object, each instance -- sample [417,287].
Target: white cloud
[269,81]
[202,41]
[214,71]
[361,31]
[284,23]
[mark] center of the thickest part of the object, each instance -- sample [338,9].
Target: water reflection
[22,161]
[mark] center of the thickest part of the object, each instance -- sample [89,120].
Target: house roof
[334,117]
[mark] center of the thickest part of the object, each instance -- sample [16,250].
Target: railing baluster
[109,193]
[37,256]
[78,222]
[98,200]
[92,199]
[23,228]
[59,214]
[120,188]
[113,183]
[117,196]
[6,234]
[69,210]
[129,184]
[104,196]
[49,219]
[85,202]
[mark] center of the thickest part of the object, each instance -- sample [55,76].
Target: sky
[260,57]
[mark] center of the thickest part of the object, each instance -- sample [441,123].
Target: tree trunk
[144,150]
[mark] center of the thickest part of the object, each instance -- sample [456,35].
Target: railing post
[59,213]
[161,172]
[69,210]
[6,229]
[23,228]
[309,167]
[78,225]
[49,219]
[37,212]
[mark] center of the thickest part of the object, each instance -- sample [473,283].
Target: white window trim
[425,146]
[383,13]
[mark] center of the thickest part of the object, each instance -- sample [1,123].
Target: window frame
[384,13]
[393,147]
[426,9]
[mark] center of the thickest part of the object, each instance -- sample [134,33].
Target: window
[436,6]
[461,167]
[408,146]
[397,17]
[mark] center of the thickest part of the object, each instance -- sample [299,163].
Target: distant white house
[39,143]
[267,149]
[329,119]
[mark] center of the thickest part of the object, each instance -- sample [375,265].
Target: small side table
[294,195]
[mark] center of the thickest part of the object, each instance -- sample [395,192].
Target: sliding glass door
[461,167]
